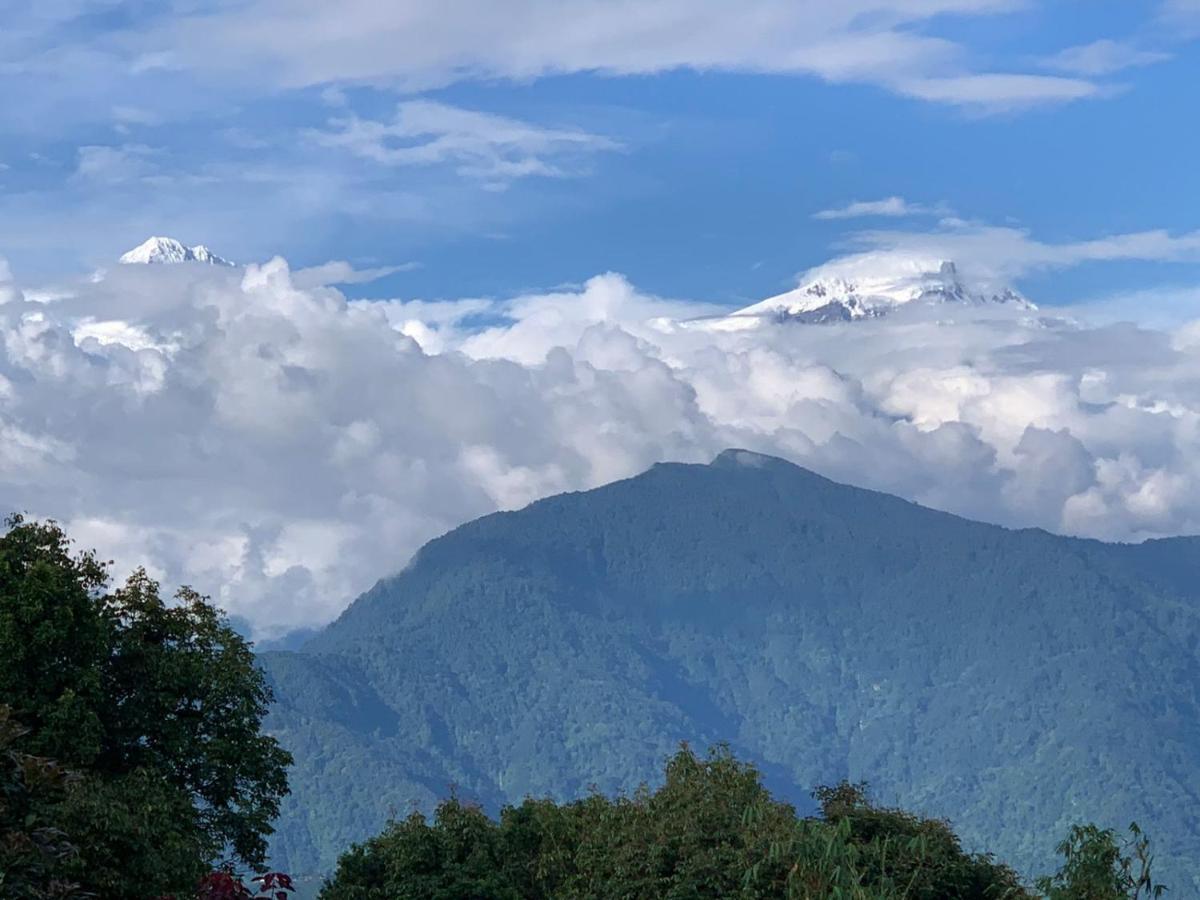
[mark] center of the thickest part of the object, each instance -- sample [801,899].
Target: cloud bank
[281,447]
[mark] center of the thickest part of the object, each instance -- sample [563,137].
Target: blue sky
[689,151]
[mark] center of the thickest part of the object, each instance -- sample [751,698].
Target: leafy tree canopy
[1097,867]
[33,850]
[711,831]
[156,706]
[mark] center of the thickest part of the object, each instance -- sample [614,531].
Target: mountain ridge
[824,631]
[868,286]
[168,251]
[860,287]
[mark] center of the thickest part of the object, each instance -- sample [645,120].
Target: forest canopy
[713,831]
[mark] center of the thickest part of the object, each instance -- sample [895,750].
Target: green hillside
[1015,681]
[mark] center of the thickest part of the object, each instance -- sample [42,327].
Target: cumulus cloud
[1164,306]
[281,447]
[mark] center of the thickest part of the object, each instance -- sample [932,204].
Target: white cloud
[891,207]
[115,164]
[339,271]
[424,44]
[1164,306]
[1001,253]
[1182,16]
[281,447]
[133,115]
[1103,57]
[1000,92]
[492,148]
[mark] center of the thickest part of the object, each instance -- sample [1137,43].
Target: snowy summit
[165,250]
[866,286]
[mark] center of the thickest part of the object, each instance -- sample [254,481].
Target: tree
[693,837]
[137,835]
[710,831]
[868,851]
[186,699]
[224,884]
[158,706]
[55,636]
[1095,867]
[33,849]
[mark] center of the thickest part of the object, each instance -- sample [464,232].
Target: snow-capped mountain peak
[165,250]
[870,285]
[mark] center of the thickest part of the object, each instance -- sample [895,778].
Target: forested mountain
[1015,681]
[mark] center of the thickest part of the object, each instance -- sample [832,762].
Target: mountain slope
[1014,680]
[165,251]
[867,286]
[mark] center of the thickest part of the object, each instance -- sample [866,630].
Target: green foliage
[1006,678]
[1095,867]
[137,836]
[710,831]
[186,699]
[858,849]
[54,640]
[689,838]
[157,706]
[34,851]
